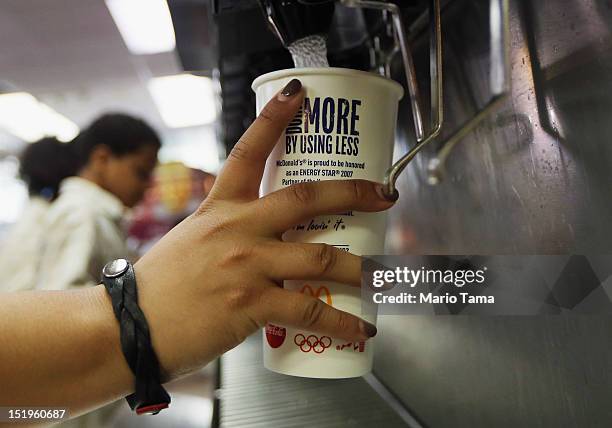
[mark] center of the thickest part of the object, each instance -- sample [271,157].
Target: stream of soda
[310,51]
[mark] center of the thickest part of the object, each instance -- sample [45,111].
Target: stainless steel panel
[252,396]
[534,178]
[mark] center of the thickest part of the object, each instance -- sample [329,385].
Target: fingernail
[292,88]
[380,189]
[369,330]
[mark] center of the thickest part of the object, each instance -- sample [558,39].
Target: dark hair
[44,164]
[121,133]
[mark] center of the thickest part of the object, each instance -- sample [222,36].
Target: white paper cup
[345,130]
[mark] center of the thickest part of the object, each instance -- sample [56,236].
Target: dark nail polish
[367,329]
[380,189]
[394,196]
[292,88]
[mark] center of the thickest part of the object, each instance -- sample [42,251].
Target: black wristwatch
[149,397]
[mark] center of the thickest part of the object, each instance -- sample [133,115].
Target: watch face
[115,268]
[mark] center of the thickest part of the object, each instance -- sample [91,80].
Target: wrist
[161,335]
[176,321]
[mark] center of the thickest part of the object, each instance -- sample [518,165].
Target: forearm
[61,349]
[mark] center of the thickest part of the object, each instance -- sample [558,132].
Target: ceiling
[70,55]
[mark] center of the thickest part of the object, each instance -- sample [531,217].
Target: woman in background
[116,154]
[43,166]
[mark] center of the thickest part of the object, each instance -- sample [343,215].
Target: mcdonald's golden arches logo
[306,288]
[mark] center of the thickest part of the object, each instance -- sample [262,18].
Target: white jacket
[20,251]
[83,234]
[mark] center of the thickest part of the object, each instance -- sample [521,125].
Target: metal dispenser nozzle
[292,20]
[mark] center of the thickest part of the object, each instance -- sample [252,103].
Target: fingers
[311,314]
[241,175]
[285,208]
[289,260]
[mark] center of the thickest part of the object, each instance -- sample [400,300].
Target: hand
[217,277]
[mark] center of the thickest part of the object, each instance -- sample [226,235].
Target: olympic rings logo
[312,343]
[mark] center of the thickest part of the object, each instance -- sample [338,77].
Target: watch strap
[149,395]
